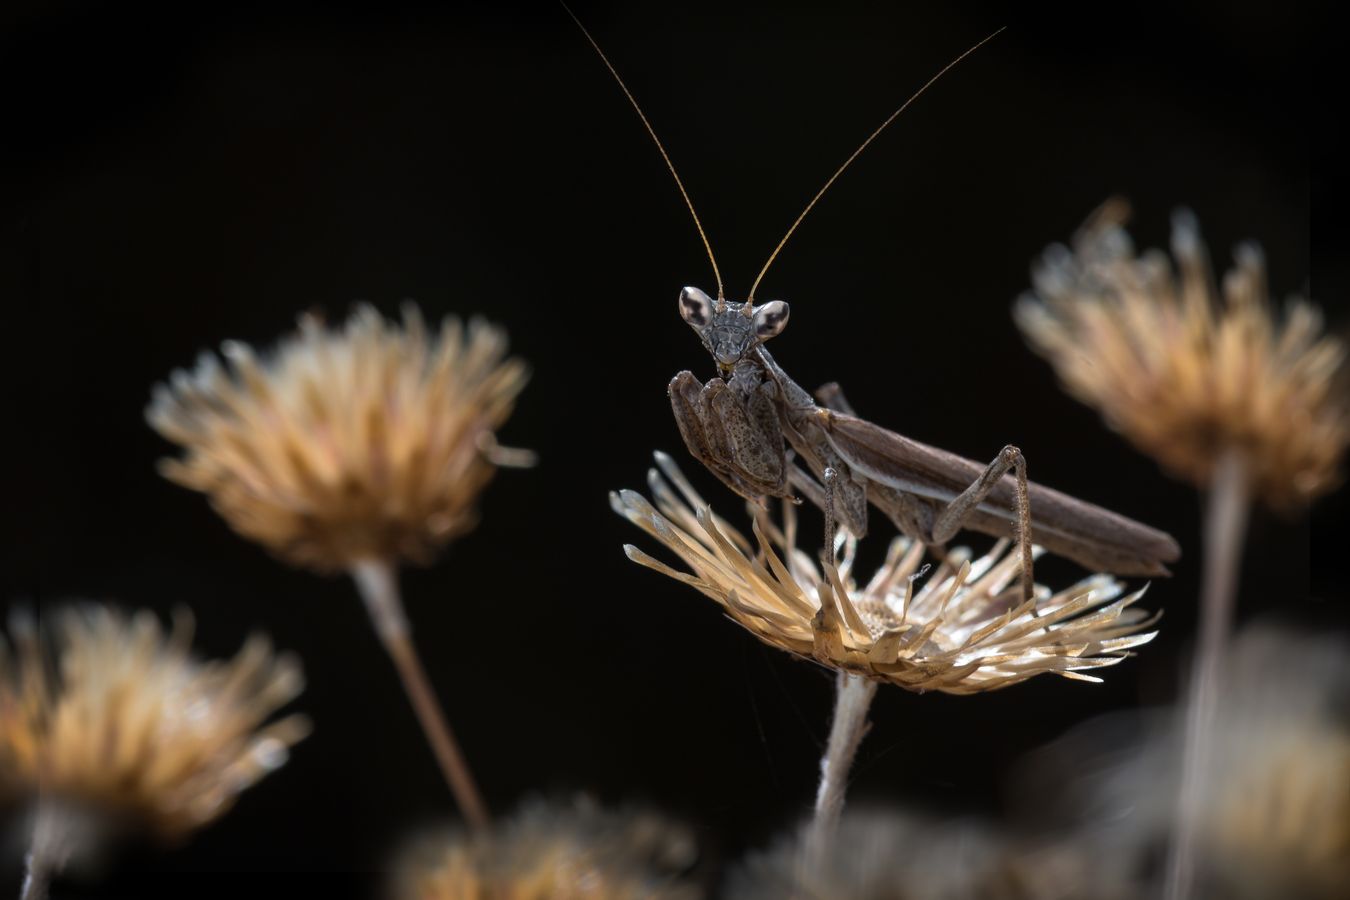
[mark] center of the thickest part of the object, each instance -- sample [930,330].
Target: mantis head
[731,330]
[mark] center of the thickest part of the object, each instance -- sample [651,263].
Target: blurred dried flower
[110,715]
[1275,814]
[372,442]
[958,633]
[572,851]
[1278,792]
[1286,813]
[878,855]
[1185,373]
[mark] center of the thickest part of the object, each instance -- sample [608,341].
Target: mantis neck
[798,401]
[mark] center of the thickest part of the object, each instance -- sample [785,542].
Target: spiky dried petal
[960,632]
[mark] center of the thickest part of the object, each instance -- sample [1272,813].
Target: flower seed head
[895,855]
[1187,370]
[569,851]
[371,441]
[955,629]
[1274,816]
[107,713]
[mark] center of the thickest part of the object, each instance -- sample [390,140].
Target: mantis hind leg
[951,518]
[831,396]
[918,520]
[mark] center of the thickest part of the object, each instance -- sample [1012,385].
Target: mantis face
[731,330]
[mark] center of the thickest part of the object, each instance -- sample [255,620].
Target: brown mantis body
[738,428]
[741,424]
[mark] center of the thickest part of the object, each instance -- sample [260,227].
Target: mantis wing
[1088,534]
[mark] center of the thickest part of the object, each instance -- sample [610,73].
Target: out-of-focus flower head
[1186,371]
[883,855]
[1275,816]
[1278,807]
[960,632]
[107,714]
[368,442]
[571,851]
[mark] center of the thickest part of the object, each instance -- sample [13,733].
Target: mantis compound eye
[770,318]
[696,307]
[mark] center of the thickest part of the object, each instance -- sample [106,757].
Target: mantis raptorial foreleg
[737,439]
[748,414]
[704,442]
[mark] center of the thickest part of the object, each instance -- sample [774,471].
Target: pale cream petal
[950,634]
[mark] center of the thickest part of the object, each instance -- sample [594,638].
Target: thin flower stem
[55,835]
[377,583]
[35,878]
[852,698]
[1225,527]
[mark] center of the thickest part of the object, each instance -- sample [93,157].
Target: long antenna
[669,165]
[889,119]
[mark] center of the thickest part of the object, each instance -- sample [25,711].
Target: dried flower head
[1278,791]
[1285,817]
[573,851]
[885,855]
[959,632]
[369,442]
[109,714]
[1184,372]
[1274,820]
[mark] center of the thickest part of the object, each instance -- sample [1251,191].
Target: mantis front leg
[732,430]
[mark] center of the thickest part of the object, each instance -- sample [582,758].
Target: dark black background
[187,177]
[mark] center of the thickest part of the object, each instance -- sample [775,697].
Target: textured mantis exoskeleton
[741,424]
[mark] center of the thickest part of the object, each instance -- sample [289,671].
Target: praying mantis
[754,427]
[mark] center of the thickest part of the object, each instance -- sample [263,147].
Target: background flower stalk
[1225,524]
[354,449]
[1217,389]
[377,582]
